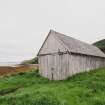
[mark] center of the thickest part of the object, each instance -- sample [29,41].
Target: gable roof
[75,46]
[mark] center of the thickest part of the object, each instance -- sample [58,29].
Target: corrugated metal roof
[77,46]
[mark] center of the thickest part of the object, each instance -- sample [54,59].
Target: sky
[24,24]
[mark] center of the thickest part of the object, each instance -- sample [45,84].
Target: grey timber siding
[66,65]
[52,46]
[61,57]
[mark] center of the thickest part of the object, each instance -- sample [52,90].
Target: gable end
[52,45]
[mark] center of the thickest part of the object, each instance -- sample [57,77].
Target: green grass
[31,89]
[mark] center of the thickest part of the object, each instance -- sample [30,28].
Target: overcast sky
[24,24]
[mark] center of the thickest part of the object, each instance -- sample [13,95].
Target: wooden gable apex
[58,43]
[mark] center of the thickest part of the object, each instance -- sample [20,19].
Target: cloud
[24,24]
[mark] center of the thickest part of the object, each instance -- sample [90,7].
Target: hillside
[31,61]
[100,44]
[31,89]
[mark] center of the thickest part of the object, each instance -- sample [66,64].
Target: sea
[8,63]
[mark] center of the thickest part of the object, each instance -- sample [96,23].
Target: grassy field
[31,89]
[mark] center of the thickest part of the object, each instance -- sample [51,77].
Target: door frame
[52,61]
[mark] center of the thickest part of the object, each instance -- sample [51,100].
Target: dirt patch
[5,70]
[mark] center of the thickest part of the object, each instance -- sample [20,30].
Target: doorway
[52,67]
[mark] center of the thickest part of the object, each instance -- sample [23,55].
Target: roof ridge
[85,48]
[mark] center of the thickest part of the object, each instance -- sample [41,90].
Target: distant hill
[100,44]
[31,61]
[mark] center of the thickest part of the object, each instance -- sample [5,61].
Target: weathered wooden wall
[51,46]
[59,67]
